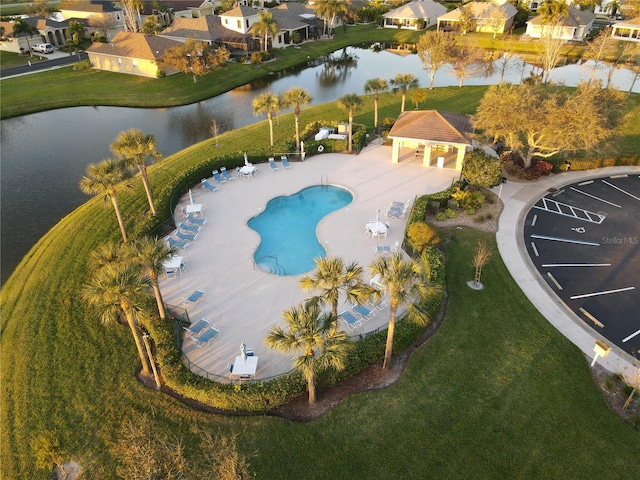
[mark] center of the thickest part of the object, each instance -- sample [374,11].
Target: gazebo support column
[395,152]
[426,159]
[462,149]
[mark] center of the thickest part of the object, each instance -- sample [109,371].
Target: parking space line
[535,249]
[604,292]
[555,282]
[630,336]
[565,240]
[621,190]
[591,317]
[549,265]
[596,198]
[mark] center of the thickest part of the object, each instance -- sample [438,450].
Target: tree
[150,254]
[214,128]
[505,62]
[466,61]
[554,14]
[538,121]
[197,58]
[332,278]
[466,21]
[221,455]
[481,258]
[496,20]
[131,9]
[350,102]
[21,27]
[265,27]
[39,8]
[102,179]
[481,170]
[375,86]
[620,52]
[403,82]
[633,64]
[120,289]
[435,49]
[418,96]
[631,8]
[329,10]
[407,283]
[296,97]
[598,49]
[151,25]
[74,45]
[135,147]
[308,332]
[268,103]
[102,23]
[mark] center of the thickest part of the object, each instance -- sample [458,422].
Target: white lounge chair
[272,165]
[207,186]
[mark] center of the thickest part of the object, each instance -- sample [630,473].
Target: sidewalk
[518,198]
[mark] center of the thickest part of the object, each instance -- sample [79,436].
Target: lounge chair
[202,340]
[196,328]
[364,312]
[207,186]
[225,174]
[176,243]
[351,321]
[195,220]
[382,249]
[285,162]
[189,228]
[170,273]
[194,298]
[218,178]
[272,165]
[185,236]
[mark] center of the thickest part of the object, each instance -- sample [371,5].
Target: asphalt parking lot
[584,240]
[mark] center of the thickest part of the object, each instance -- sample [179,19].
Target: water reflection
[40,173]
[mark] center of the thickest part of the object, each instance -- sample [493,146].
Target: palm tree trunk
[404,97]
[297,132]
[114,201]
[311,386]
[350,131]
[388,351]
[375,113]
[147,188]
[158,295]
[269,116]
[138,339]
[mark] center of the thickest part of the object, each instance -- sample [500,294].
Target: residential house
[575,26]
[48,31]
[628,30]
[487,17]
[432,134]
[84,11]
[132,53]
[414,15]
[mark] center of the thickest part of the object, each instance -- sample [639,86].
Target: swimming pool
[287,229]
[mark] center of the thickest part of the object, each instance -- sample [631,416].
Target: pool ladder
[324,181]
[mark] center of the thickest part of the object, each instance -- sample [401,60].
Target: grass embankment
[497,393]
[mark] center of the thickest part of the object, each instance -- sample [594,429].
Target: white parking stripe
[618,188]
[548,265]
[631,336]
[597,198]
[604,292]
[565,240]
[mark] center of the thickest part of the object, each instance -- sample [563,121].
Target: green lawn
[497,393]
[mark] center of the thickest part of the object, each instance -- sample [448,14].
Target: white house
[575,26]
[83,11]
[628,30]
[487,17]
[47,31]
[414,15]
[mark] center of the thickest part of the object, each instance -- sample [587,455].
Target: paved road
[54,60]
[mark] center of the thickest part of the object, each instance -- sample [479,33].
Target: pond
[44,155]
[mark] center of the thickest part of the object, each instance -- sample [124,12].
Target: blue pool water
[287,229]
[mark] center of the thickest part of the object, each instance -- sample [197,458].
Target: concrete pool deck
[243,301]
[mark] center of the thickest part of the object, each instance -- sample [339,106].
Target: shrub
[468,199]
[160,74]
[256,58]
[470,211]
[420,235]
[441,217]
[451,213]
[82,65]
[481,170]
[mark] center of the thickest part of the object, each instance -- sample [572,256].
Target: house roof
[631,23]
[575,18]
[287,21]
[433,125]
[93,6]
[134,45]
[206,28]
[479,10]
[241,11]
[41,23]
[417,9]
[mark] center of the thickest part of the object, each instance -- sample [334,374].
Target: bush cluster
[514,165]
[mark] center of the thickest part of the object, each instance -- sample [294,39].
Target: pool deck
[243,301]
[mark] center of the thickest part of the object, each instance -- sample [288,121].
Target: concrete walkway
[518,198]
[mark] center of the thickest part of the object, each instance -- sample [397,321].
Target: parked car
[43,48]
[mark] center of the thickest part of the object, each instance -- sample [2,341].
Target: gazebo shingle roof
[433,125]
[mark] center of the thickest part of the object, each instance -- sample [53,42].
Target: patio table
[244,367]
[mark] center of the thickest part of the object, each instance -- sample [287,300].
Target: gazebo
[432,133]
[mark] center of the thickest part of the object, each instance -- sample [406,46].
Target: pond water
[44,155]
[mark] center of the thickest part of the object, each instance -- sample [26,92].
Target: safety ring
[321,149]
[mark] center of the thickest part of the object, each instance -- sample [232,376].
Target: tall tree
[496,20]
[350,102]
[537,121]
[404,82]
[332,278]
[40,8]
[554,14]
[375,86]
[102,23]
[268,103]
[116,290]
[102,179]
[633,64]
[465,62]
[408,283]
[329,10]
[151,25]
[150,254]
[418,96]
[598,49]
[21,27]
[135,148]
[74,45]
[630,8]
[466,21]
[308,331]
[296,97]
[435,49]
[131,9]
[265,27]
[196,58]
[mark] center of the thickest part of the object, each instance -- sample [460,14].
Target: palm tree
[296,97]
[117,289]
[375,86]
[101,179]
[265,26]
[350,102]
[268,103]
[20,26]
[333,278]
[407,282]
[150,254]
[404,81]
[135,147]
[107,254]
[552,11]
[308,332]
